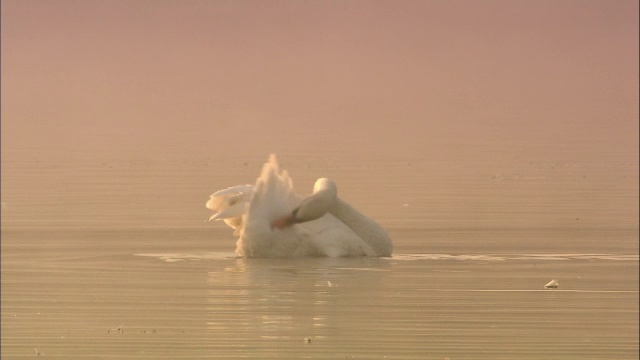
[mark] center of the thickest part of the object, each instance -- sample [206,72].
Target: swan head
[315,206]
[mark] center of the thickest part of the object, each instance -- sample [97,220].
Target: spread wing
[231,204]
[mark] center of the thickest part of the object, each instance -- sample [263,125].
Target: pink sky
[97,77]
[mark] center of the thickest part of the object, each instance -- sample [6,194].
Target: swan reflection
[287,299]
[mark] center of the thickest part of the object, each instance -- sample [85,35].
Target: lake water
[114,259]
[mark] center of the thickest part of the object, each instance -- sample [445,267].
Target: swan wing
[239,189]
[229,196]
[231,204]
[234,211]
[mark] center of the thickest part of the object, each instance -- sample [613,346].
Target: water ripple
[503,257]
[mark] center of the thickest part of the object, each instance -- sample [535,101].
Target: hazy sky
[144,78]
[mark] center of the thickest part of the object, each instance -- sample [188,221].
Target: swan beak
[283,222]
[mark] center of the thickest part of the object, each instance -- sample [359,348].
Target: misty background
[131,113]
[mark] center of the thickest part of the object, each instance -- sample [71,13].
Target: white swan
[272,221]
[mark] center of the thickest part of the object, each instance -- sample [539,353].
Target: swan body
[271,220]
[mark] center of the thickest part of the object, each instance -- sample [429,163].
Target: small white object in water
[553,284]
[329,283]
[307,340]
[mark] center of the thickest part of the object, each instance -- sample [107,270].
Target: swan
[271,220]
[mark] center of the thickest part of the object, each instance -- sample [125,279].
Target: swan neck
[318,204]
[366,228]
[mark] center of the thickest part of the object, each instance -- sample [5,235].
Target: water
[496,141]
[115,260]
[167,293]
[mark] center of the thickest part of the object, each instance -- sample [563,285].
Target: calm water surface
[167,293]
[114,260]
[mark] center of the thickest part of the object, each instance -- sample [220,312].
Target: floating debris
[307,340]
[118,329]
[553,284]
[330,284]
